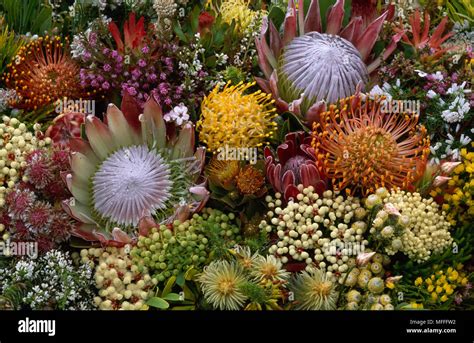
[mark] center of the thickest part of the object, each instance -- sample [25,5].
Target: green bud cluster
[175,248]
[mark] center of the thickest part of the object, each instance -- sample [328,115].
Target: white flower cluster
[192,53]
[121,285]
[458,107]
[299,227]
[165,8]
[412,225]
[6,95]
[179,115]
[52,281]
[16,141]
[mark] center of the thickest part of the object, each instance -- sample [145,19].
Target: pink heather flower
[114,54]
[105,85]
[132,91]
[107,67]
[141,63]
[145,49]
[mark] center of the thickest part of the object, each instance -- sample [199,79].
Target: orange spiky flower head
[362,148]
[41,73]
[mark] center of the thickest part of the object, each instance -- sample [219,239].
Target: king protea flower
[307,66]
[296,164]
[128,170]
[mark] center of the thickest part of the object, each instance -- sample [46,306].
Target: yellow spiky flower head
[231,117]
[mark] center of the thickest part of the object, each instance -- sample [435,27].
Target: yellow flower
[418,281]
[434,296]
[439,289]
[230,117]
[430,288]
[237,10]
[449,291]
[459,266]
[429,282]
[454,275]
[464,281]
[390,285]
[444,298]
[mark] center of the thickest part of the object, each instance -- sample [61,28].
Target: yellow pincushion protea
[237,10]
[231,117]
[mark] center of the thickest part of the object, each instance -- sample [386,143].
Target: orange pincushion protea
[42,73]
[361,148]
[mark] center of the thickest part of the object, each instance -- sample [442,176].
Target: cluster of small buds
[367,285]
[410,224]
[299,229]
[16,141]
[121,285]
[362,273]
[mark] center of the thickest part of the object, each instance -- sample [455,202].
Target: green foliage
[9,45]
[23,16]
[179,293]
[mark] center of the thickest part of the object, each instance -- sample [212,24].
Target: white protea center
[132,182]
[320,66]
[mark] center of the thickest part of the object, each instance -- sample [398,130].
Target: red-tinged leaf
[127,30]
[314,112]
[301,17]
[120,236]
[263,63]
[436,38]
[289,25]
[313,18]
[353,30]
[369,37]
[263,84]
[335,17]
[387,52]
[415,27]
[131,110]
[114,31]
[275,41]
[425,35]
[145,225]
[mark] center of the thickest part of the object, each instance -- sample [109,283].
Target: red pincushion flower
[205,21]
[296,165]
